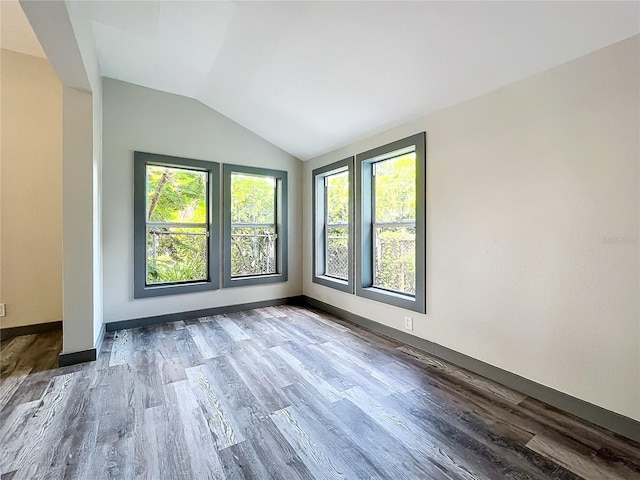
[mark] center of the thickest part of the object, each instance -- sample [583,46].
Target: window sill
[408,302]
[253,280]
[342,285]
[174,289]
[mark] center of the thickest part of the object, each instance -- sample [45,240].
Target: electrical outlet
[408,323]
[3,309]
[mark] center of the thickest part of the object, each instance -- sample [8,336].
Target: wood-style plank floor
[282,393]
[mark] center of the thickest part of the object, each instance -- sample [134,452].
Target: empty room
[319,240]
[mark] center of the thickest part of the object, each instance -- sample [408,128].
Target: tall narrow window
[394,223]
[391,211]
[176,246]
[333,222]
[176,225]
[255,225]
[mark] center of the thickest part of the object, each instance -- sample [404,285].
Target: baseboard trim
[90,355]
[615,422]
[11,332]
[100,339]
[66,359]
[189,315]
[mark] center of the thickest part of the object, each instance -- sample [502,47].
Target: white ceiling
[314,76]
[16,32]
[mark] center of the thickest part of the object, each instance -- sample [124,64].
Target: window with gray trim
[255,225]
[176,225]
[390,206]
[333,225]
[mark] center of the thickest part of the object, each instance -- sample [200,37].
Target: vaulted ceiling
[314,76]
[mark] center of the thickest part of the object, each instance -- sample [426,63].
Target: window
[176,233]
[391,219]
[255,226]
[333,225]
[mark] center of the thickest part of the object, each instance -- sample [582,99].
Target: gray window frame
[281,201]
[140,287]
[319,176]
[365,224]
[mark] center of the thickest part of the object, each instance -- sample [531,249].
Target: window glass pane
[338,197]
[176,195]
[394,259]
[395,189]
[337,255]
[176,255]
[253,251]
[253,199]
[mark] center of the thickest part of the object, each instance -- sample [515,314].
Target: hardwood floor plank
[325,319]
[276,453]
[385,448]
[393,383]
[284,328]
[121,349]
[221,424]
[413,437]
[465,376]
[501,438]
[217,337]
[580,430]
[279,393]
[113,461]
[319,462]
[44,428]
[319,384]
[516,415]
[456,406]
[236,334]
[13,424]
[242,462]
[252,372]
[31,388]
[198,334]
[477,456]
[358,376]
[586,464]
[11,383]
[201,452]
[78,460]
[272,366]
[383,461]
[619,461]
[275,312]
[147,378]
[316,363]
[259,332]
[11,351]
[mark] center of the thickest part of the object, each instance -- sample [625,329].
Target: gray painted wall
[137,118]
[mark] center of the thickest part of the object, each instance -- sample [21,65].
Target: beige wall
[532,229]
[31,178]
[137,118]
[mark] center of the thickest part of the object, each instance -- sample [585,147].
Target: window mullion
[176,225]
